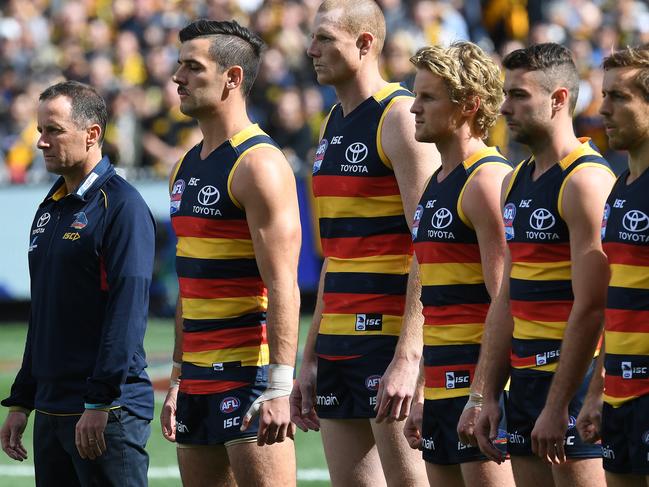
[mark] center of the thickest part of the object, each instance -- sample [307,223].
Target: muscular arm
[583,202]
[413,164]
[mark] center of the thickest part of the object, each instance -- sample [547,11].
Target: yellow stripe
[616,402]
[214,248]
[467,164]
[372,206]
[248,356]
[583,150]
[434,393]
[341,324]
[60,193]
[219,308]
[459,334]
[578,168]
[381,264]
[538,330]
[625,343]
[542,271]
[323,127]
[387,90]
[236,164]
[543,368]
[512,180]
[630,276]
[379,146]
[247,133]
[449,274]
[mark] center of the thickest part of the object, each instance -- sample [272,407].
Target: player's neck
[78,173]
[549,150]
[638,160]
[220,126]
[359,88]
[457,149]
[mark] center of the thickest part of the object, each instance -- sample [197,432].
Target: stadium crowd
[128,49]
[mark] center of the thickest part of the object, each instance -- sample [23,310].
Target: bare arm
[589,420]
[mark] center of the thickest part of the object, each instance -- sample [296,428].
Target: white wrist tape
[280,384]
[475,400]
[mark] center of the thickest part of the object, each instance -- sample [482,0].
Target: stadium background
[127,49]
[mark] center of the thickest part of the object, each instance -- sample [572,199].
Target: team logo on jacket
[607,214]
[509,213]
[635,221]
[415,222]
[319,155]
[176,195]
[229,404]
[80,220]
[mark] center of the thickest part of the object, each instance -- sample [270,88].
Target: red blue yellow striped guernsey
[222,294]
[363,231]
[540,286]
[454,294]
[625,229]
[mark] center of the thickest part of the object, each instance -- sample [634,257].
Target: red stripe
[616,386]
[336,358]
[221,288]
[521,362]
[441,253]
[527,252]
[621,253]
[455,313]
[103,281]
[347,303]
[193,226]
[249,336]
[355,186]
[627,320]
[436,375]
[192,386]
[551,311]
[353,247]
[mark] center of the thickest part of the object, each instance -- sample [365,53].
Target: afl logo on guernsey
[356,152]
[176,195]
[229,405]
[509,213]
[607,214]
[415,223]
[319,155]
[635,221]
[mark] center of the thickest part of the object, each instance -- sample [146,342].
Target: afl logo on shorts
[229,405]
[509,212]
[319,155]
[372,382]
[176,195]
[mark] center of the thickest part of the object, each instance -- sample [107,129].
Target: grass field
[163,471]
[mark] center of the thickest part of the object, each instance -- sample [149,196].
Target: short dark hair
[231,45]
[632,57]
[554,60]
[87,106]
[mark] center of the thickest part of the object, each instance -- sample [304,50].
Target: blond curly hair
[632,57]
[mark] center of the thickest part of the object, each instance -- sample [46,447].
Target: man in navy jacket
[91,250]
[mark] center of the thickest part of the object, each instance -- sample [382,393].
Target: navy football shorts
[440,443]
[346,389]
[215,419]
[528,391]
[625,437]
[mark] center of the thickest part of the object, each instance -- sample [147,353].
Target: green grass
[158,344]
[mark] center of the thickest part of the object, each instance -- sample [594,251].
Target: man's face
[624,109]
[64,144]
[436,116]
[199,78]
[333,49]
[527,106]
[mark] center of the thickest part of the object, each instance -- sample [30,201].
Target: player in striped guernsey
[234,211]
[625,231]
[457,227]
[361,358]
[553,302]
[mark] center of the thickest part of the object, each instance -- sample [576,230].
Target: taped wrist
[475,400]
[280,384]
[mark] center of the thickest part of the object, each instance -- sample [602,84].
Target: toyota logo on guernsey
[635,221]
[208,195]
[43,220]
[442,218]
[356,152]
[542,219]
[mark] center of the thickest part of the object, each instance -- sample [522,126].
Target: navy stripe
[362,227]
[524,290]
[401,92]
[365,283]
[455,294]
[527,348]
[627,298]
[238,374]
[487,159]
[216,268]
[451,355]
[349,345]
[252,141]
[243,321]
[588,158]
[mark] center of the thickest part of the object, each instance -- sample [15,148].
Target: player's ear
[471,105]
[93,135]
[560,99]
[364,42]
[234,77]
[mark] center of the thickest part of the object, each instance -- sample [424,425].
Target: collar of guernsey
[625,231]
[363,230]
[223,297]
[88,186]
[538,238]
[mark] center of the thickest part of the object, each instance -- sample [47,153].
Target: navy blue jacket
[90,262]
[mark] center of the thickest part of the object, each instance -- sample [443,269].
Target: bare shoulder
[586,191]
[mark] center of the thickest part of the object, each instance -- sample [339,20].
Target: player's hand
[589,421]
[89,433]
[486,431]
[549,434]
[412,427]
[396,389]
[466,426]
[11,435]
[303,399]
[274,421]
[168,415]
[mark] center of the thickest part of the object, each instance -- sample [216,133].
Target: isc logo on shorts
[457,379]
[229,405]
[546,357]
[369,322]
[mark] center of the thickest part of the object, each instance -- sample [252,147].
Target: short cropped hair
[632,57]
[231,45]
[468,72]
[360,16]
[87,106]
[556,63]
